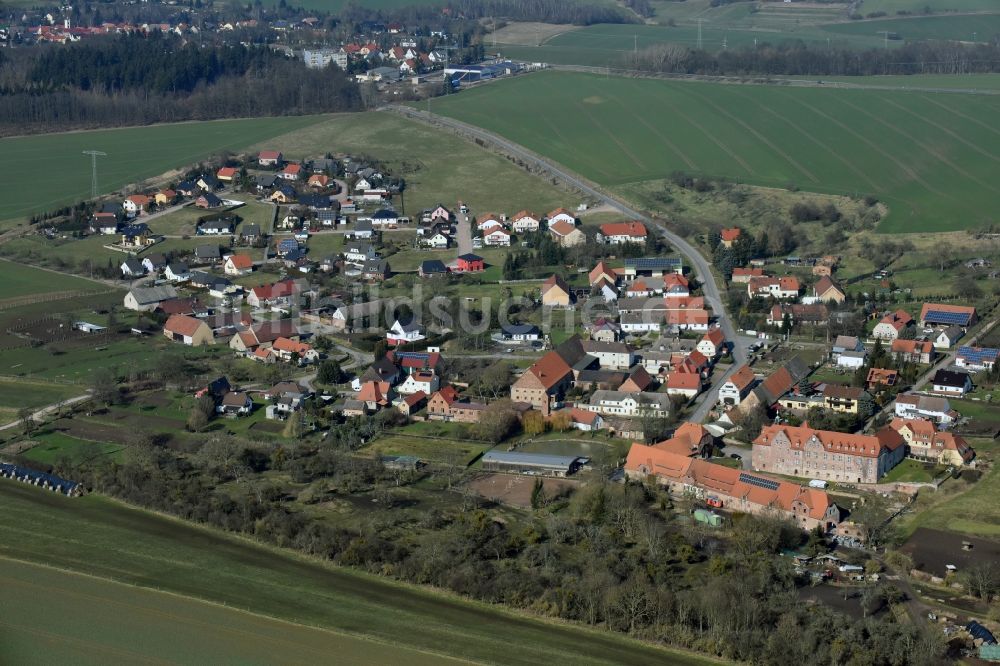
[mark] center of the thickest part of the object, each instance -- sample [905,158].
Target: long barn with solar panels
[944,314]
[652,266]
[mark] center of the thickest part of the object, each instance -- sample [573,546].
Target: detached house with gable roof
[926,442]
[188,330]
[542,385]
[737,387]
[892,324]
[618,233]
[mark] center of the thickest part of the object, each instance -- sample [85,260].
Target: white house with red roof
[617,233]
[269,158]
[497,237]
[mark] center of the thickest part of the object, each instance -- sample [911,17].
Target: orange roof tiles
[729,235]
[550,369]
[631,229]
[868,446]
[742,378]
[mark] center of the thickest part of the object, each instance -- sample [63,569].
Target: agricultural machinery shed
[532,463]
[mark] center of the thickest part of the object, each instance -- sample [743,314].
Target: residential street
[464,234]
[700,267]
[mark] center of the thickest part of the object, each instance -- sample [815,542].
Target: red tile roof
[241,261]
[742,378]
[562,228]
[183,325]
[550,369]
[631,229]
[731,234]
[868,446]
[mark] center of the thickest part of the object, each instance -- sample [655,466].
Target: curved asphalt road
[698,263]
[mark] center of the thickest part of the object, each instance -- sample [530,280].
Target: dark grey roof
[433,266]
[950,378]
[207,252]
[519,329]
[147,295]
[250,230]
[530,459]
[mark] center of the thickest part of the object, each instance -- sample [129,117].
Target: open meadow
[133,153]
[929,157]
[67,617]
[438,166]
[95,536]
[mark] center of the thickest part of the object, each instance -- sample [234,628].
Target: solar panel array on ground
[956,318]
[769,484]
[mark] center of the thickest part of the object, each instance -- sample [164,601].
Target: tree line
[800,59]
[134,80]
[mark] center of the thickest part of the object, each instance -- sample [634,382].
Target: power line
[93,170]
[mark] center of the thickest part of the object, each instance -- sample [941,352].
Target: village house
[618,233]
[136,236]
[293,351]
[891,325]
[728,236]
[685,384]
[188,330]
[270,158]
[226,174]
[566,234]
[824,454]
[932,408]
[401,334]
[613,355]
[235,403]
[604,330]
[556,293]
[359,253]
[519,333]
[132,267]
[602,274]
[912,351]
[543,383]
[425,381]
[712,343]
[828,291]
[357,316]
[926,442]
[445,405]
[177,271]
[238,264]
[525,221]
[785,287]
[264,334]
[488,221]
[744,275]
[948,337]
[733,489]
[737,387]
[165,197]
[952,383]
[846,399]
[880,378]
[281,294]
[497,237]
[147,299]
[409,405]
[136,204]
[813,314]
[585,420]
[470,263]
[560,215]
[624,404]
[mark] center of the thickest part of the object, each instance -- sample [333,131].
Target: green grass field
[964,28]
[95,536]
[917,6]
[956,82]
[976,511]
[20,280]
[65,617]
[52,170]
[55,446]
[930,157]
[438,166]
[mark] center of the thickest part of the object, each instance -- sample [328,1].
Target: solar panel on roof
[758,481]
[978,354]
[947,317]
[644,263]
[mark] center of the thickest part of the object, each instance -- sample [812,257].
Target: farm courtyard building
[734,489]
